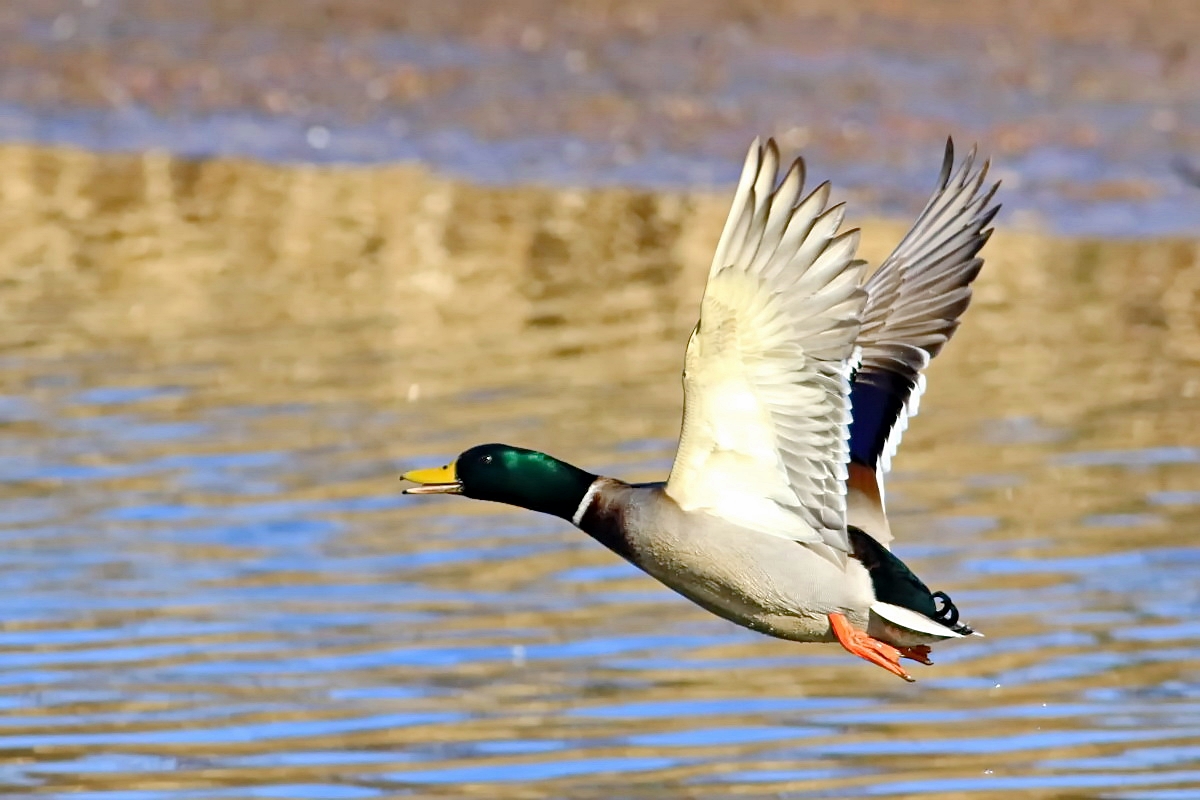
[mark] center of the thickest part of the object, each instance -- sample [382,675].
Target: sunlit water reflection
[213,375]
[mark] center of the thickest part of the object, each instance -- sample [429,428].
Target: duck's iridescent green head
[506,474]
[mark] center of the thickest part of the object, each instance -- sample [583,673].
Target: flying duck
[799,378]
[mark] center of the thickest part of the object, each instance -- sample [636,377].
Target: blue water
[226,609]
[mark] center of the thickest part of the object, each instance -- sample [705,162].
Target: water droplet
[532,39]
[318,137]
[576,62]
[63,27]
[377,89]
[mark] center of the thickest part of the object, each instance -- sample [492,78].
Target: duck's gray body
[765,583]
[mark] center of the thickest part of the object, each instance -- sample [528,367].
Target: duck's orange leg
[866,647]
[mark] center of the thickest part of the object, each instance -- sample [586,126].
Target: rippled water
[212,376]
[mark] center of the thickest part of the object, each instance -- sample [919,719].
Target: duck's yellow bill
[437,480]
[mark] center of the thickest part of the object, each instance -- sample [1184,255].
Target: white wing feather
[766,377]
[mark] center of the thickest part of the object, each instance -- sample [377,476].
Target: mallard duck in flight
[799,379]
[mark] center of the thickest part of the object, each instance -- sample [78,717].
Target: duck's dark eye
[485,460]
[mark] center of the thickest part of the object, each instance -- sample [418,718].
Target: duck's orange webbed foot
[860,644]
[919,653]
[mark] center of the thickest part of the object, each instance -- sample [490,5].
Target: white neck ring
[585,503]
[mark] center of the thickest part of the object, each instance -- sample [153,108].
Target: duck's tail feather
[912,621]
[902,597]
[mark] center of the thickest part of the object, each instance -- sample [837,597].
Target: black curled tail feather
[948,615]
[896,584]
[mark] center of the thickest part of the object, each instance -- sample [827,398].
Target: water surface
[211,376]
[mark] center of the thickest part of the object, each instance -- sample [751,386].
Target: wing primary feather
[750,170]
[780,215]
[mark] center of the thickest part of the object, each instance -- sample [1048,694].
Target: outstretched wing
[915,301]
[766,376]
